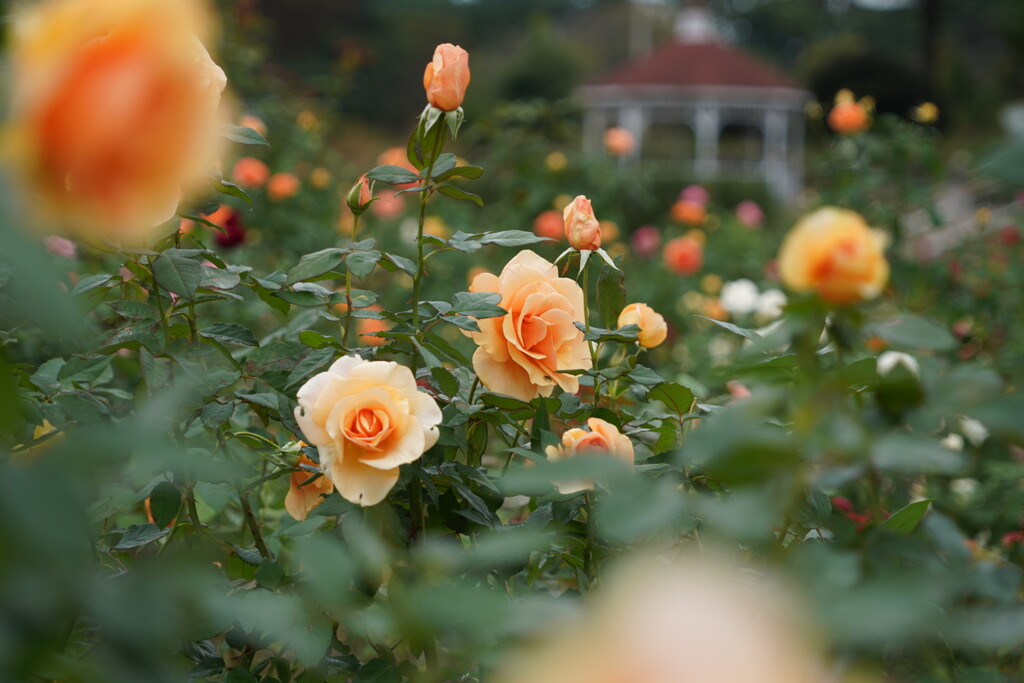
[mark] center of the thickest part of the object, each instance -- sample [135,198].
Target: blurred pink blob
[749,214]
[389,206]
[695,193]
[61,246]
[646,241]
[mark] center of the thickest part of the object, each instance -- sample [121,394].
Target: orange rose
[521,353]
[582,229]
[689,212]
[283,186]
[619,142]
[366,418]
[847,118]
[653,329]
[447,77]
[834,252]
[114,111]
[603,438]
[549,224]
[250,172]
[302,499]
[684,255]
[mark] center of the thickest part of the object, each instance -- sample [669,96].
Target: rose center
[367,427]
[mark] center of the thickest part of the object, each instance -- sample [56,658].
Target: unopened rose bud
[360,196]
[447,77]
[653,329]
[581,227]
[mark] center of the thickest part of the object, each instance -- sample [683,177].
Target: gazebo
[702,109]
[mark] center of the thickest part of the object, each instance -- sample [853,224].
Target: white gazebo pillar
[708,125]
[774,169]
[595,121]
[634,119]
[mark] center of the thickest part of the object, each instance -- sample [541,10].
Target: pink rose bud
[749,214]
[581,227]
[695,193]
[61,246]
[646,241]
[359,196]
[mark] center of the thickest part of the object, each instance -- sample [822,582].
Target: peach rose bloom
[250,172]
[684,255]
[114,111]
[834,252]
[283,186]
[447,77]
[619,142]
[549,224]
[521,354]
[366,418]
[653,329]
[689,212]
[582,229]
[302,499]
[604,438]
[688,620]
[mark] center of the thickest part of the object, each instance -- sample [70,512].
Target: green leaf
[229,188]
[446,381]
[905,520]
[468,172]
[378,671]
[267,400]
[407,266]
[503,238]
[911,332]
[611,296]
[362,263]
[393,175]
[243,135]
[629,333]
[87,284]
[677,397]
[317,263]
[478,304]
[176,270]
[746,334]
[269,574]
[904,453]
[164,502]
[231,333]
[445,162]
[458,193]
[138,535]
[215,414]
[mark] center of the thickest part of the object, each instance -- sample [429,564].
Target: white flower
[769,304]
[739,297]
[888,361]
[973,430]
[953,442]
[963,487]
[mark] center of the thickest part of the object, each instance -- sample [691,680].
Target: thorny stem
[424,198]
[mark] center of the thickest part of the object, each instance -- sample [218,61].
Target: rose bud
[581,227]
[653,329]
[359,197]
[447,77]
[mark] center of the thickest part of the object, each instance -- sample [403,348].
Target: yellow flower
[114,111]
[306,120]
[653,329]
[320,177]
[711,284]
[834,252]
[522,353]
[366,418]
[556,161]
[926,113]
[603,438]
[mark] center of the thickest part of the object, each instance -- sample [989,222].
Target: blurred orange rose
[366,418]
[834,252]
[250,172]
[684,255]
[549,224]
[447,77]
[653,329]
[689,212]
[521,353]
[848,118]
[302,499]
[283,186]
[388,205]
[254,122]
[114,111]
[619,142]
[581,227]
[603,438]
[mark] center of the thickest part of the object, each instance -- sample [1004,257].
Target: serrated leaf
[231,333]
[468,172]
[269,574]
[139,535]
[446,381]
[478,304]
[393,175]
[177,271]
[362,263]
[677,397]
[735,329]
[314,264]
[905,520]
[459,194]
[87,284]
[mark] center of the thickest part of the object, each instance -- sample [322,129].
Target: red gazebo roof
[695,65]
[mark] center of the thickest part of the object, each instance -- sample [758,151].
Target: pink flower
[61,246]
[646,241]
[695,193]
[749,214]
